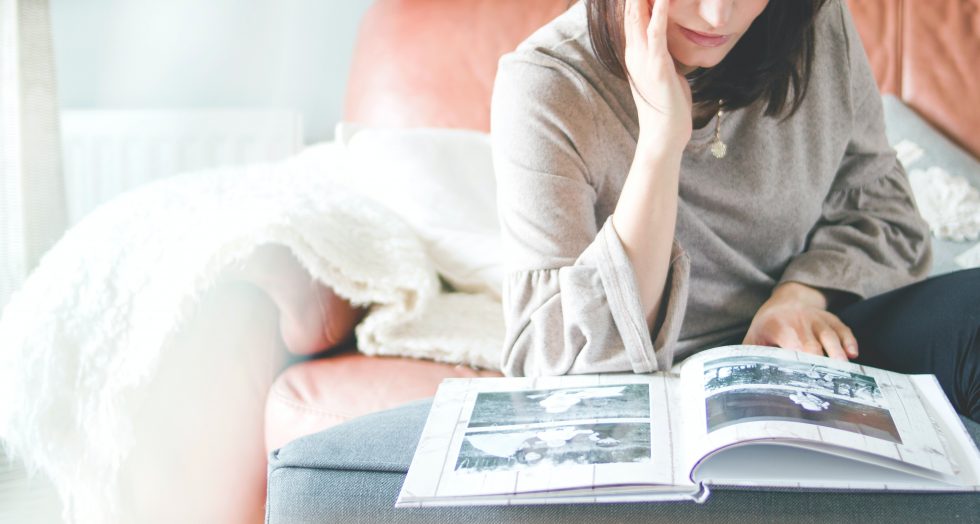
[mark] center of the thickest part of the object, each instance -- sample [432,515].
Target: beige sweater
[818,199]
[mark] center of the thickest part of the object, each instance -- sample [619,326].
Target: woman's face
[725,21]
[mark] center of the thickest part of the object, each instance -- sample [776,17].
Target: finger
[756,340]
[830,341]
[636,18]
[657,26]
[813,347]
[848,340]
[765,334]
[810,343]
[788,338]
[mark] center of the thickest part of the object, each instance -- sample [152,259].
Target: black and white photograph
[726,373]
[753,388]
[776,404]
[547,447]
[562,404]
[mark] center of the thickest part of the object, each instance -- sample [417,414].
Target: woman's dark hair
[774,55]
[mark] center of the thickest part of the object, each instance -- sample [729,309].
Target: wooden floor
[23,500]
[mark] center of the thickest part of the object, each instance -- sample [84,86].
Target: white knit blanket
[82,339]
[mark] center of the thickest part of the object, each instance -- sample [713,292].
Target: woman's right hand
[661,93]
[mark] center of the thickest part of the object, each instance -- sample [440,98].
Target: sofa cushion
[923,52]
[432,62]
[940,46]
[317,394]
[353,473]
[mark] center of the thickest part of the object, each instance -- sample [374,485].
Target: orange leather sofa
[413,66]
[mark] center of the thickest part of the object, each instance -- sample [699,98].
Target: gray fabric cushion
[903,123]
[353,472]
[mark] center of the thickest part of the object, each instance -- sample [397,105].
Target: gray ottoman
[353,472]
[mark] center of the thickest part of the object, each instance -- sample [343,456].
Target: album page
[817,406]
[586,438]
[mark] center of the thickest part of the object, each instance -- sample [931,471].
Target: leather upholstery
[928,54]
[940,62]
[432,63]
[879,24]
[315,395]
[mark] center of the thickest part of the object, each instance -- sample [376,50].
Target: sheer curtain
[32,194]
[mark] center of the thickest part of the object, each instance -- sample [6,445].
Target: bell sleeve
[570,296]
[870,238]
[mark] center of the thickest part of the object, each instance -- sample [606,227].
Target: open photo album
[739,416]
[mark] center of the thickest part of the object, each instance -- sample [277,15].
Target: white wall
[162,54]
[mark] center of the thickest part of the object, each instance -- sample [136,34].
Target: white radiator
[108,152]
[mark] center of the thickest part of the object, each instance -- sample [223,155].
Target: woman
[677,175]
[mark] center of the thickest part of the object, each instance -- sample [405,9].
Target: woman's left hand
[796,317]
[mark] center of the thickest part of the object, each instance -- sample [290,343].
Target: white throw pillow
[441,182]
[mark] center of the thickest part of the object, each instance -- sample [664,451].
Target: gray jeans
[353,472]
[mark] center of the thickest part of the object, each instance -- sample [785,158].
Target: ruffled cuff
[830,270]
[871,240]
[646,353]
